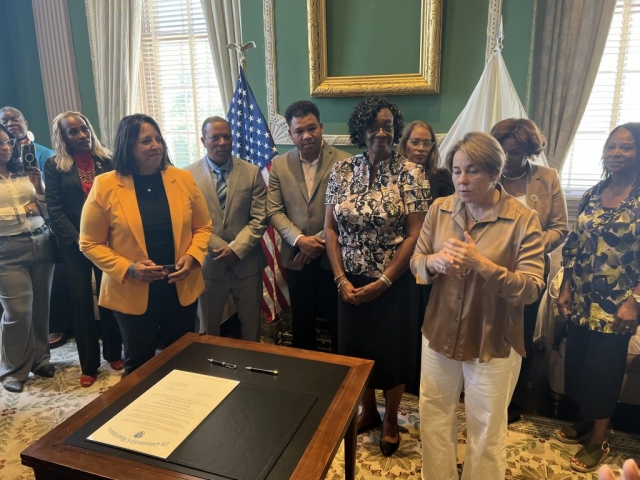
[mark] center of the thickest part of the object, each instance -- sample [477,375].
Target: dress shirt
[309,172]
[225,166]
[469,317]
[15,192]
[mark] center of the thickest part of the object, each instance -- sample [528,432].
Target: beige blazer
[111,236]
[545,196]
[290,209]
[243,221]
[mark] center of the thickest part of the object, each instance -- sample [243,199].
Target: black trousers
[86,328]
[165,320]
[530,319]
[59,319]
[313,294]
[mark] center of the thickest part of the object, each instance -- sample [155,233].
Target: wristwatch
[636,297]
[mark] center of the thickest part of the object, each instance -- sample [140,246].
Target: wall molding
[57,57]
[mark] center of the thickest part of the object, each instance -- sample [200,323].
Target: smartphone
[170,268]
[28,154]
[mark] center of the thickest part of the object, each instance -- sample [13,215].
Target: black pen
[222,364]
[262,370]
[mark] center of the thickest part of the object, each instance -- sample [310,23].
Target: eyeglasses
[9,143]
[425,143]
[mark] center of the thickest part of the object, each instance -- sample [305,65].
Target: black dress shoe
[15,386]
[389,448]
[376,422]
[513,413]
[46,371]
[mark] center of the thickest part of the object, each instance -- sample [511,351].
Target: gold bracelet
[342,284]
[384,279]
[335,280]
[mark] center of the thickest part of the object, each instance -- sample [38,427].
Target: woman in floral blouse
[376,202]
[600,294]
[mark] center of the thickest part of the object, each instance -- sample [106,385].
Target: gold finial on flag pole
[241,49]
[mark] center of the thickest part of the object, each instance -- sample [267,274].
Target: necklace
[476,220]
[526,170]
[148,187]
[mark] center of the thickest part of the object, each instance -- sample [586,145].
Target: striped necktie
[221,187]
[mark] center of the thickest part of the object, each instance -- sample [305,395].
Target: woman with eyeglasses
[376,202]
[418,144]
[26,271]
[538,188]
[80,158]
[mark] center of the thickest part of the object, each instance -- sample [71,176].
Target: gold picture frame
[426,81]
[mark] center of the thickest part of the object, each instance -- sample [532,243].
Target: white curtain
[223,27]
[115,29]
[570,40]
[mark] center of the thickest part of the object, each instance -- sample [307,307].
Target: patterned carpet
[532,454]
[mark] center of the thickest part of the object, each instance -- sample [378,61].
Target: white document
[158,421]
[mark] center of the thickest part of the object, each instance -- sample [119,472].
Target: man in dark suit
[296,209]
[236,197]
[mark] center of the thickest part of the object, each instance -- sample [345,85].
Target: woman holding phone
[26,271]
[140,223]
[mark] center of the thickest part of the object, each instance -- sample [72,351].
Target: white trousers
[488,389]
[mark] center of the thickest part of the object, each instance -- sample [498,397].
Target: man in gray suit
[296,209]
[236,197]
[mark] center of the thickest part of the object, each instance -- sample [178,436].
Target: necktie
[221,187]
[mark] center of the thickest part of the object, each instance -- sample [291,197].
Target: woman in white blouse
[26,270]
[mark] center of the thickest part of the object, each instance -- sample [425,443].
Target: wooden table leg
[350,438]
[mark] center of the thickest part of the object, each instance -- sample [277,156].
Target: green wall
[21,79]
[463,46]
[21,83]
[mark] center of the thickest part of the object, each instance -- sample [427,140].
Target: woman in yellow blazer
[147,227]
[538,188]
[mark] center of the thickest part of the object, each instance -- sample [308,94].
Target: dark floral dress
[371,220]
[604,251]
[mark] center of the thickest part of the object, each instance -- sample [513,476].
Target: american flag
[252,142]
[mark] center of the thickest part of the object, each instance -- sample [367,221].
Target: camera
[28,155]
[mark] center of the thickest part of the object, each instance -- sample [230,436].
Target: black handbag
[56,252]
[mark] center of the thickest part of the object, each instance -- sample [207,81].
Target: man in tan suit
[236,197]
[296,208]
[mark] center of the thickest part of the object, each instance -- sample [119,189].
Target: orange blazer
[111,236]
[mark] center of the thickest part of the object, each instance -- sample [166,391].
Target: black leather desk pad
[301,379]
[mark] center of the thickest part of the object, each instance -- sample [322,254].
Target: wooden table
[52,459]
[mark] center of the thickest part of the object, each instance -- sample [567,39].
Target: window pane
[615,99]
[181,89]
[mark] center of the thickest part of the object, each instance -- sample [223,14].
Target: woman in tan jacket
[538,188]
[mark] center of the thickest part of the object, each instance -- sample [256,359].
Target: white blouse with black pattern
[371,220]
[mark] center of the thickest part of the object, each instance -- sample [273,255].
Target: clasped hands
[311,247]
[146,271]
[454,257]
[368,293]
